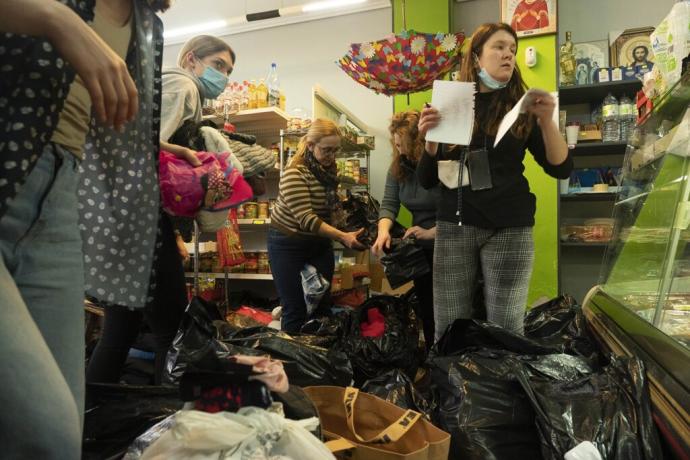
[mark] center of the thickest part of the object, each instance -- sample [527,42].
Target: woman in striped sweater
[300,233]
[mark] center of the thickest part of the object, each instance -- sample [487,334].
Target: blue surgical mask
[489,81]
[213,81]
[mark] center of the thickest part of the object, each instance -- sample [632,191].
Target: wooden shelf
[599,148]
[595,93]
[265,116]
[234,276]
[589,197]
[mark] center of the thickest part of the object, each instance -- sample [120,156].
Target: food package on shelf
[671,44]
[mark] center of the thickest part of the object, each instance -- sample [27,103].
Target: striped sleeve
[296,195]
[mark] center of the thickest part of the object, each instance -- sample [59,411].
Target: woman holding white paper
[486,211]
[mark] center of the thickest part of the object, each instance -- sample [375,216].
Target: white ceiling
[184,13]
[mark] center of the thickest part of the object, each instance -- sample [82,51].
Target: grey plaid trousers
[505,255]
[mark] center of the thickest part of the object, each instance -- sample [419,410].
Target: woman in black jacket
[486,211]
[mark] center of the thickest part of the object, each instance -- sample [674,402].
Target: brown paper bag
[375,429]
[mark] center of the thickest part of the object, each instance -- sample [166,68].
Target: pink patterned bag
[214,186]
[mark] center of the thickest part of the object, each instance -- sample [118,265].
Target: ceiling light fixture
[329,4]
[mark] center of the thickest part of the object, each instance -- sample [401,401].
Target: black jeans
[163,316]
[287,256]
[424,287]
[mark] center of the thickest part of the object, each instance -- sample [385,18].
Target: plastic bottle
[261,94]
[626,114]
[282,100]
[244,91]
[253,101]
[611,130]
[273,87]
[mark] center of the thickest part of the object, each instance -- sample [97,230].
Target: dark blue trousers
[287,256]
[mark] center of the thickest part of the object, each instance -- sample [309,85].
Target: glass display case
[642,304]
[647,265]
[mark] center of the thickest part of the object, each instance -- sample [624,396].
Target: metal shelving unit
[579,263]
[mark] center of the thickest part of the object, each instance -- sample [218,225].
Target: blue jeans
[287,256]
[42,326]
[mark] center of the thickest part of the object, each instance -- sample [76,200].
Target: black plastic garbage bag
[360,210]
[195,342]
[561,323]
[464,334]
[204,337]
[304,364]
[396,387]
[610,408]
[405,262]
[397,348]
[329,326]
[116,415]
[481,404]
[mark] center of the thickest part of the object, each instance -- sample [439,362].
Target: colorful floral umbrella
[403,63]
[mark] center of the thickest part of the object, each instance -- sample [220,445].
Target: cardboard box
[589,135]
[380,284]
[352,276]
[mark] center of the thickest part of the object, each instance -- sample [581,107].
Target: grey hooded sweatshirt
[181,100]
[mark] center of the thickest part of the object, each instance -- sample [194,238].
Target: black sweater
[509,203]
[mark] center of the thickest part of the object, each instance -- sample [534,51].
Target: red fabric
[258,315]
[375,325]
[530,16]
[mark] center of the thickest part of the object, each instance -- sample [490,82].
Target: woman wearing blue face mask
[204,64]
[486,212]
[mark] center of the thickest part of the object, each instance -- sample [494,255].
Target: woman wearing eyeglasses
[300,233]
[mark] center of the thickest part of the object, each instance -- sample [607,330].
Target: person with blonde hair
[486,210]
[300,232]
[403,187]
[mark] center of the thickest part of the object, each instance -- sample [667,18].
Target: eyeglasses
[329,150]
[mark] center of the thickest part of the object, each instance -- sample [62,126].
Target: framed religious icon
[589,58]
[632,48]
[530,17]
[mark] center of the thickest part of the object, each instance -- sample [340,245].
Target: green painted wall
[545,273]
[424,16]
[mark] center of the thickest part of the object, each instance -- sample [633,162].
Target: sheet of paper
[455,102]
[519,108]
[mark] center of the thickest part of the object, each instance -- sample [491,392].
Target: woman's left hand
[543,106]
[420,233]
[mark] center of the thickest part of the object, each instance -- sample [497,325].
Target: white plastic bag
[315,287]
[251,433]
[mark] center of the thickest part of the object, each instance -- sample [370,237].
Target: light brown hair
[202,46]
[404,124]
[508,96]
[319,129]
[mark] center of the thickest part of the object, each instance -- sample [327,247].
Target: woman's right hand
[428,119]
[383,242]
[189,155]
[350,240]
[104,74]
